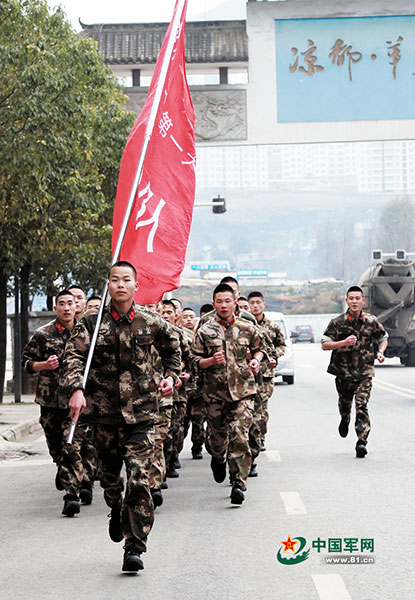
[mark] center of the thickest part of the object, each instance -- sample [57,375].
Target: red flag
[157,233]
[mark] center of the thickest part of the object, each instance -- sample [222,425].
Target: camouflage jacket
[132,355]
[275,342]
[191,385]
[243,314]
[46,341]
[233,380]
[354,362]
[180,395]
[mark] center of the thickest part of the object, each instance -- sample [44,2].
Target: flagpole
[147,136]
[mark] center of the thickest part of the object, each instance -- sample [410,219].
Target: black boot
[253,472]
[71,505]
[86,492]
[132,557]
[157,497]
[343,428]
[237,495]
[361,449]
[114,525]
[171,471]
[197,453]
[218,469]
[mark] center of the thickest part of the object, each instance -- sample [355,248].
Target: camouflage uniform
[195,413]
[45,342]
[353,366]
[230,390]
[242,314]
[276,344]
[122,400]
[173,444]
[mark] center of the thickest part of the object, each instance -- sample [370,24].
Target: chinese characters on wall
[342,53]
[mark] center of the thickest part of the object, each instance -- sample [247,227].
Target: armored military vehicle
[389,288]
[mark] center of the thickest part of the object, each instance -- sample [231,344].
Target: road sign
[215,266]
[252,273]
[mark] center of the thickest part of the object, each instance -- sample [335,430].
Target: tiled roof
[139,43]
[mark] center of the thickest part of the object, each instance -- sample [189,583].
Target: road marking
[331,587]
[306,366]
[25,463]
[273,455]
[293,503]
[394,389]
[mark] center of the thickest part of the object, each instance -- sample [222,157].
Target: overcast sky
[141,11]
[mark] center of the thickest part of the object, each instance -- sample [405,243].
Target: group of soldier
[155,371]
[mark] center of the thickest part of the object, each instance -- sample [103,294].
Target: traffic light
[218,205]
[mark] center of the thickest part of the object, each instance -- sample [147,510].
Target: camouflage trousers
[173,444]
[360,391]
[255,431]
[78,465]
[132,445]
[161,428]
[51,420]
[195,416]
[77,462]
[266,391]
[228,426]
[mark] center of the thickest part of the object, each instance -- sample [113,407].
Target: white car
[285,366]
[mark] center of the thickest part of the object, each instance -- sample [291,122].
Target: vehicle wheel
[288,379]
[410,361]
[312,341]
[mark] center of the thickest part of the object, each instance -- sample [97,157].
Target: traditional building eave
[140,43]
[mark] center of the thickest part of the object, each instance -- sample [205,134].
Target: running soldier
[195,413]
[351,337]
[173,444]
[276,344]
[122,397]
[221,349]
[43,354]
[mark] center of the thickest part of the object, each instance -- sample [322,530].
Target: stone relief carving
[220,114]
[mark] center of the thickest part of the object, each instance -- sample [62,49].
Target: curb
[16,433]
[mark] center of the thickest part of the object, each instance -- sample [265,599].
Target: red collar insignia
[227,324]
[59,327]
[115,315]
[129,316]
[361,316]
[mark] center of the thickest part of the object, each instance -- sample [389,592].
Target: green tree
[62,132]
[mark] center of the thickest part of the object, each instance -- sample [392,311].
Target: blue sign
[210,266]
[252,273]
[345,69]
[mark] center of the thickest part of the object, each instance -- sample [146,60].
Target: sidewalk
[18,420]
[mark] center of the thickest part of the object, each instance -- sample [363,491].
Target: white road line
[25,463]
[293,503]
[273,455]
[392,390]
[331,587]
[394,386]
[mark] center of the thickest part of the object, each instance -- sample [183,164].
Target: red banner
[157,233]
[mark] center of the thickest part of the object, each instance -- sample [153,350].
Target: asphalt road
[310,486]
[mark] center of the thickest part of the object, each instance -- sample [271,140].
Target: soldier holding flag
[121,398]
